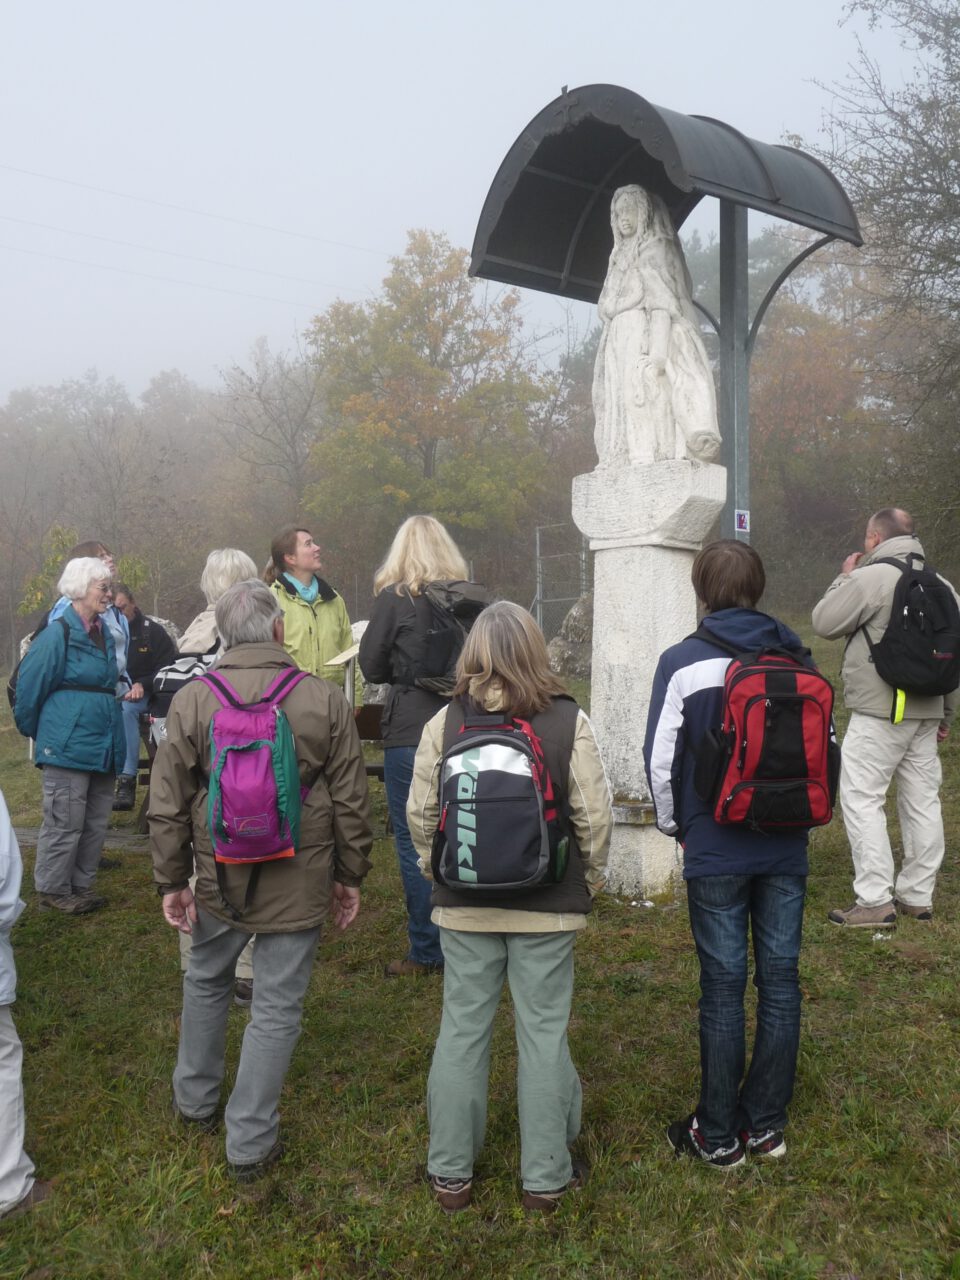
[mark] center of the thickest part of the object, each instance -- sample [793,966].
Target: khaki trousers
[874,753]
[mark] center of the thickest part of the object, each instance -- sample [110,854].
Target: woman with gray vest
[524,935]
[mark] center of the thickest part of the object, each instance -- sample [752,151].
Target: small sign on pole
[741,521]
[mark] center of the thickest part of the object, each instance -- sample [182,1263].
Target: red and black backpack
[773,764]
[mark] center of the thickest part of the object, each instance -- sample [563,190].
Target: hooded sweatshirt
[686,702]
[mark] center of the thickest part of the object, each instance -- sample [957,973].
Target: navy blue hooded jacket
[687,700]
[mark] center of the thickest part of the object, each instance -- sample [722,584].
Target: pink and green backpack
[254,798]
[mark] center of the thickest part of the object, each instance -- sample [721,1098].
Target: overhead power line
[199,213]
[144,275]
[170,253]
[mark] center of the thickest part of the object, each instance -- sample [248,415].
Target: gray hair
[79,573]
[225,567]
[245,613]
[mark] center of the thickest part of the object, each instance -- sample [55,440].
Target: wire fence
[564,572]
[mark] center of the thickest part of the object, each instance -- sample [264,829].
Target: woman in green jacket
[315,623]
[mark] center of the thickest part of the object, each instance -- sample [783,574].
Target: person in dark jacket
[150,648]
[390,651]
[737,879]
[525,936]
[66,701]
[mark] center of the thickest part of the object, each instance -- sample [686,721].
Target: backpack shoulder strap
[708,637]
[285,683]
[223,689]
[456,716]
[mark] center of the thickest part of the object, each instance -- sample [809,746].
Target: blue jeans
[423,934]
[131,731]
[722,909]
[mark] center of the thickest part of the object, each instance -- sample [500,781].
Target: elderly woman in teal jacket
[66,701]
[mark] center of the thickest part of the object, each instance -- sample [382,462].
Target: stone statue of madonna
[653,392]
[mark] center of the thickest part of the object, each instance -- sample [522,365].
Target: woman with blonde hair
[392,652]
[522,935]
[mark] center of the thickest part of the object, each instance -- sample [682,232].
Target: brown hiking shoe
[548,1201]
[856,917]
[916,913]
[39,1192]
[453,1194]
[71,904]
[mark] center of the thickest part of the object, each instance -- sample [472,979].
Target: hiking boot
[768,1143]
[109,864]
[209,1123]
[549,1201]
[257,1169]
[687,1140]
[71,904]
[39,1192]
[452,1194]
[856,917]
[409,969]
[915,913]
[126,796]
[243,992]
[96,900]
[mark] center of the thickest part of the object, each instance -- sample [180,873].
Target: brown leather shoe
[548,1201]
[39,1192]
[452,1194]
[915,912]
[409,969]
[71,904]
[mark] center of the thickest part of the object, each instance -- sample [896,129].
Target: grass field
[869,1187]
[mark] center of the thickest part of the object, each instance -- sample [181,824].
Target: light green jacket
[314,633]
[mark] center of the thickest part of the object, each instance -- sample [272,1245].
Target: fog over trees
[433,396]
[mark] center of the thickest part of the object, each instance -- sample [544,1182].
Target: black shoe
[768,1143]
[209,1123]
[109,864]
[243,992]
[686,1139]
[126,796]
[259,1168]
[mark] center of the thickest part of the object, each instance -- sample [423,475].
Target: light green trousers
[539,969]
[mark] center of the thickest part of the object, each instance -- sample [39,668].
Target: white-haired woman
[66,701]
[522,936]
[391,649]
[225,567]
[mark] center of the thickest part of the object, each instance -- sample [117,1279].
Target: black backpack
[919,652]
[501,822]
[454,607]
[14,675]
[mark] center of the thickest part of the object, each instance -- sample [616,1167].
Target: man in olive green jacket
[290,898]
[857,605]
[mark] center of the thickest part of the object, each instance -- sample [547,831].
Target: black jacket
[151,647]
[390,650]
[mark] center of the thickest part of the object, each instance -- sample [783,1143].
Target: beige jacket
[335,837]
[590,817]
[863,599]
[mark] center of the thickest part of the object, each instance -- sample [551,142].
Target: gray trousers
[76,813]
[539,968]
[282,964]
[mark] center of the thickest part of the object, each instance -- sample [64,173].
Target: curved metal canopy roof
[546,221]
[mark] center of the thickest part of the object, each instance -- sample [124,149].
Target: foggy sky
[334,128]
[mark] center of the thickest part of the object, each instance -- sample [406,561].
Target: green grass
[868,1189]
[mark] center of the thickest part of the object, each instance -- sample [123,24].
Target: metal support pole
[538,601]
[735,368]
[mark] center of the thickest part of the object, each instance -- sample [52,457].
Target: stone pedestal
[645,524]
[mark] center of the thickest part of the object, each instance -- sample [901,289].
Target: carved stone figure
[653,392]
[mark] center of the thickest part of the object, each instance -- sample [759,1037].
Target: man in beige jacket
[875,750]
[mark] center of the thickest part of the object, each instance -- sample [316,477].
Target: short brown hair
[506,651]
[891,522]
[96,550]
[728,575]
